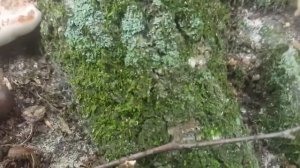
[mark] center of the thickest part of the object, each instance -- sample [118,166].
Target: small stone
[287,24]
[232,62]
[246,60]
[27,100]
[243,110]
[255,77]
[35,65]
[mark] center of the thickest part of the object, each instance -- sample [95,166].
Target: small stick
[178,146]
[30,134]
[33,160]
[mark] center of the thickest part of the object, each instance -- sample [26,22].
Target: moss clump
[129,66]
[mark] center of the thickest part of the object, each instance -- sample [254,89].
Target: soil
[60,138]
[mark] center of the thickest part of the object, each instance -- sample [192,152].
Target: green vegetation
[281,85]
[278,90]
[128,64]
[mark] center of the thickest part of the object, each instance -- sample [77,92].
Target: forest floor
[61,136]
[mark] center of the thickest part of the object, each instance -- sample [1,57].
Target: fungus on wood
[17,18]
[19,29]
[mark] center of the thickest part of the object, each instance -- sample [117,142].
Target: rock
[255,77]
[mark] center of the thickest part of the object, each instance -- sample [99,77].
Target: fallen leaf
[64,126]
[34,113]
[7,83]
[48,123]
[296,44]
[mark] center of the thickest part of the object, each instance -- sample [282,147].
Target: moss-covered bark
[128,62]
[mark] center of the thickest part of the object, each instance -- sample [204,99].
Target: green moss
[130,75]
[52,28]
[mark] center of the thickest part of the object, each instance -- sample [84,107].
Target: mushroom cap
[17,18]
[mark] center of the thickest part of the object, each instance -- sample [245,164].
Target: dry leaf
[34,113]
[64,126]
[20,152]
[296,44]
[7,83]
[48,123]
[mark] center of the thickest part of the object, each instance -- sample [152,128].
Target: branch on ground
[287,134]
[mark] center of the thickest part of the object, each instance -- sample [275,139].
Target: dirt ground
[59,138]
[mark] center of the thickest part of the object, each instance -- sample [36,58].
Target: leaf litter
[46,131]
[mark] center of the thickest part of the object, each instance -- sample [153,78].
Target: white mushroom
[17,18]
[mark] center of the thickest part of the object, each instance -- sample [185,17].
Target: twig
[33,160]
[47,101]
[30,134]
[177,146]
